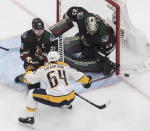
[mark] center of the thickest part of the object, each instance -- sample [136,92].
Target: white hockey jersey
[55,77]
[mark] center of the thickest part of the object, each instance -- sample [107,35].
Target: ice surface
[129,110]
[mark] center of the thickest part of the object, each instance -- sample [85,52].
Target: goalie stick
[105,77]
[102,78]
[97,106]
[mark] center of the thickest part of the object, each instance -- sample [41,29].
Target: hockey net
[132,49]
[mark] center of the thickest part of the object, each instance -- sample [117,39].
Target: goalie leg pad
[72,45]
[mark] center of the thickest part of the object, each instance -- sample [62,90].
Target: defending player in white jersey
[57,91]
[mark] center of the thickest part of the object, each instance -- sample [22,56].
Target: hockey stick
[6,49]
[97,106]
[9,49]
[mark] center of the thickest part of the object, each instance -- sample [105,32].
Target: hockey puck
[126,75]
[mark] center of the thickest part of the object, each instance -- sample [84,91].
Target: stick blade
[104,105]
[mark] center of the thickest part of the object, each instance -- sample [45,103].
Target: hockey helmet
[37,23]
[53,56]
[91,25]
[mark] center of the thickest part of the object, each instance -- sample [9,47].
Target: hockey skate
[67,106]
[26,121]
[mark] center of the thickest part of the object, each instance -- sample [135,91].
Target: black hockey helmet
[37,23]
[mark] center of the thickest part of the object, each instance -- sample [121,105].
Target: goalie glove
[32,61]
[88,85]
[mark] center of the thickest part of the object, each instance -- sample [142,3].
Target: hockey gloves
[32,61]
[88,85]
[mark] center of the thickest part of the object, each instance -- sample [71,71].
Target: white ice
[130,98]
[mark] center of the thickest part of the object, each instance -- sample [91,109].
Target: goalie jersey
[56,78]
[104,38]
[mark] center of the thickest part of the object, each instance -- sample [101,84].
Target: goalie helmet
[53,56]
[91,25]
[37,23]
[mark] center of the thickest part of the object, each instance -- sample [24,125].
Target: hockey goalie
[94,41]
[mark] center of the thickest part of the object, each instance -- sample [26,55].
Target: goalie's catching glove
[88,85]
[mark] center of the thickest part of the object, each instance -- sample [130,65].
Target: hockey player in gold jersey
[57,92]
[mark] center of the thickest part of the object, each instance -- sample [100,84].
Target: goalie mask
[53,56]
[91,25]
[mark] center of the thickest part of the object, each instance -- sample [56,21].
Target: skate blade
[67,107]
[26,125]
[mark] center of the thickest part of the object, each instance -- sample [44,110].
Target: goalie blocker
[61,27]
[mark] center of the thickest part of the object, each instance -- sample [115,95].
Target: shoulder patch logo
[105,38]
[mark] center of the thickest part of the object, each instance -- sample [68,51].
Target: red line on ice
[135,88]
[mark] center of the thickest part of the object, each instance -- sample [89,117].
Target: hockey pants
[40,95]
